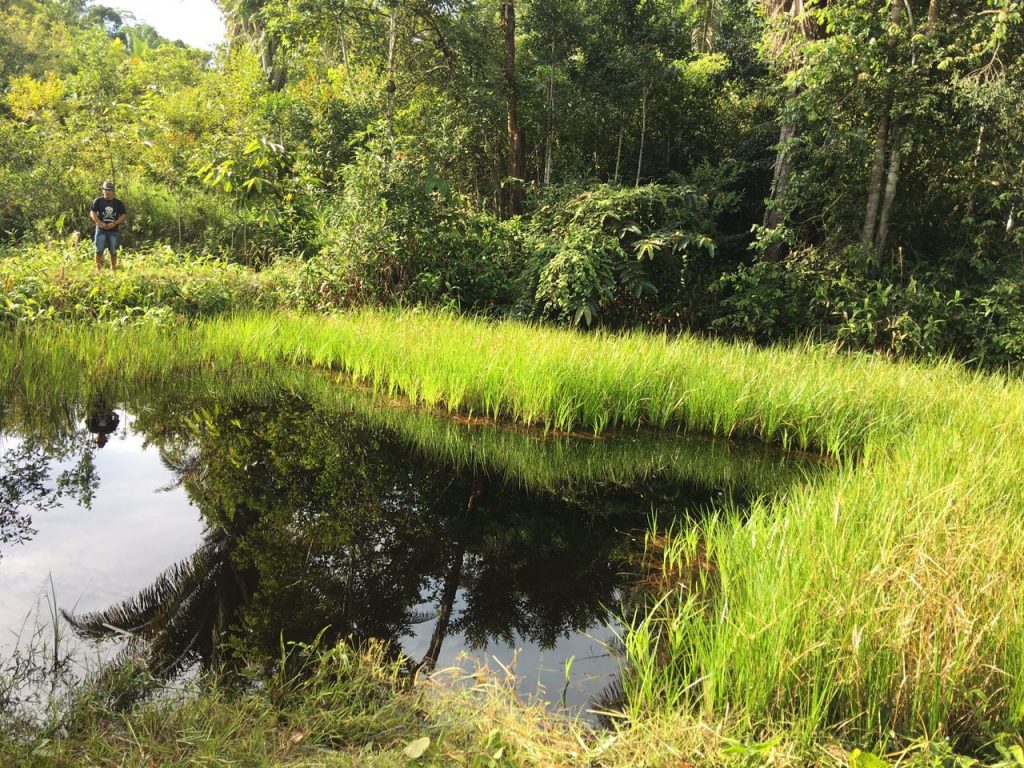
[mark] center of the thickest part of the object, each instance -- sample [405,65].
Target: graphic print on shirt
[108,211]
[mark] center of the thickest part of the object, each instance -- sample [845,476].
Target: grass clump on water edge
[797,398]
[338,706]
[334,707]
[881,606]
[320,706]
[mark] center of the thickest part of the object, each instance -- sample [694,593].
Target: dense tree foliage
[851,169]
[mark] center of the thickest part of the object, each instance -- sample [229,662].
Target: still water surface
[202,531]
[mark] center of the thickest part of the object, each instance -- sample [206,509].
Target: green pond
[190,524]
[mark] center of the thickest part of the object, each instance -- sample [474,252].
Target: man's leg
[99,241]
[113,243]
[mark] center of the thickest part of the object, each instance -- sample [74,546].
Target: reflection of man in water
[101,421]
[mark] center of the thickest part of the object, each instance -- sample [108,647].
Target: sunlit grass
[796,398]
[805,399]
[50,376]
[61,282]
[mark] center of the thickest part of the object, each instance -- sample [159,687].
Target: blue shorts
[107,239]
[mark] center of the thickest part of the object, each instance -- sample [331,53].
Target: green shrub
[811,293]
[997,323]
[402,236]
[60,281]
[617,255]
[757,301]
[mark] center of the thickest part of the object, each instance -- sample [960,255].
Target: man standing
[108,213]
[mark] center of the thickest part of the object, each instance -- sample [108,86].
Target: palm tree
[245,23]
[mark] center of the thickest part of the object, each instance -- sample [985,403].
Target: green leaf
[859,759]
[415,749]
[1012,754]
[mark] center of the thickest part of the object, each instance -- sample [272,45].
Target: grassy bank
[344,709]
[878,607]
[52,369]
[802,399]
[349,709]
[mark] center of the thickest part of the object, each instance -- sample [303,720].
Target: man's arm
[95,216]
[122,216]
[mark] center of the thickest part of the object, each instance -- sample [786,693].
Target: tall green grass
[800,399]
[882,604]
[55,372]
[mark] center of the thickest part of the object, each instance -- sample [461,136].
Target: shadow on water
[330,516]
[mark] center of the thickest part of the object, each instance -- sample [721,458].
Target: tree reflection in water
[317,521]
[27,486]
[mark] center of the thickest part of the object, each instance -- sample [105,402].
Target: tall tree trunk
[643,132]
[792,21]
[516,142]
[708,29]
[618,153]
[273,69]
[875,180]
[344,56]
[886,145]
[550,138]
[780,176]
[934,7]
[979,145]
[391,88]
[891,182]
[497,161]
[774,214]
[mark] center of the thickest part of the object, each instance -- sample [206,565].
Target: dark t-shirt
[108,210]
[102,422]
